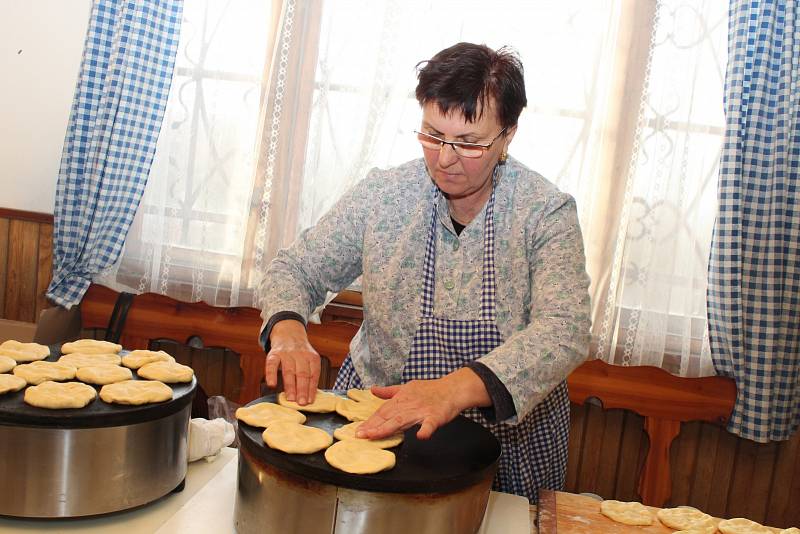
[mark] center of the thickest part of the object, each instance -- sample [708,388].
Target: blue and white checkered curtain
[754,272]
[111,137]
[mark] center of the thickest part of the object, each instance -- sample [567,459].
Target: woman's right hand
[299,362]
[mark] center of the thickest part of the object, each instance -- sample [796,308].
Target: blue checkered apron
[534,452]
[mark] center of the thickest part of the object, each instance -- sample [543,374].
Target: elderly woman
[473,279]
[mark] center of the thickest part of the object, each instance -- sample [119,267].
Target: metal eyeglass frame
[457,145]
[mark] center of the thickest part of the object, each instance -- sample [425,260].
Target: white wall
[41,42]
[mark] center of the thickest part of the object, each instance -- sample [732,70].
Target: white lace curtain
[625,113]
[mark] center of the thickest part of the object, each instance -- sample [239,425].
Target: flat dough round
[685,519]
[103,374]
[167,372]
[359,458]
[136,392]
[90,346]
[627,513]
[364,395]
[37,372]
[9,383]
[24,352]
[324,402]
[82,359]
[137,358]
[355,411]
[698,530]
[295,438]
[7,363]
[265,414]
[740,525]
[792,530]
[349,432]
[60,395]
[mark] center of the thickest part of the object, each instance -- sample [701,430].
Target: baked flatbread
[685,519]
[60,395]
[167,372]
[81,359]
[137,358]
[294,438]
[37,372]
[740,525]
[90,346]
[324,402]
[349,432]
[24,352]
[359,458]
[9,383]
[7,363]
[265,414]
[627,513]
[355,411]
[103,374]
[136,392]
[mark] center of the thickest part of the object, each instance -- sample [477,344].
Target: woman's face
[460,178]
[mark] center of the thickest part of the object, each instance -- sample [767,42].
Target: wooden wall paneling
[232,378]
[780,500]
[44,270]
[215,368]
[793,510]
[23,249]
[742,477]
[724,463]
[590,455]
[763,470]
[683,460]
[3,265]
[609,453]
[632,451]
[704,484]
[577,421]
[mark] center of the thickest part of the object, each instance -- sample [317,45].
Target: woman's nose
[447,155]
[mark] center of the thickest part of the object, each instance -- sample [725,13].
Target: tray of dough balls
[318,442]
[89,383]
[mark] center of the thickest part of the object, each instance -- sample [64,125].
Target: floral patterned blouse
[378,231]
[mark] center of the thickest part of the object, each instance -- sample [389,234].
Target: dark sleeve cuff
[502,404]
[280,316]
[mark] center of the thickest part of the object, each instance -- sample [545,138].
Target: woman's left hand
[430,403]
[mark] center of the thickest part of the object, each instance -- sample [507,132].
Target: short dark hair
[465,76]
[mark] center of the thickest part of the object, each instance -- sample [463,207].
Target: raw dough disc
[82,359]
[167,372]
[24,352]
[37,372]
[359,458]
[7,363]
[60,395]
[685,519]
[137,358]
[103,374]
[740,525]
[698,530]
[627,513]
[90,346]
[136,392]
[364,395]
[295,438]
[265,414]
[349,432]
[355,411]
[324,402]
[793,530]
[9,383]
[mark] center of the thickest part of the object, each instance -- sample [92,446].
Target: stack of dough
[265,414]
[24,352]
[324,402]
[135,392]
[58,395]
[90,346]
[37,372]
[137,358]
[7,363]
[167,372]
[81,359]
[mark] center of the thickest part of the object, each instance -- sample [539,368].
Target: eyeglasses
[467,150]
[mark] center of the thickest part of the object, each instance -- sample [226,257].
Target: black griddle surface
[458,455]
[15,411]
